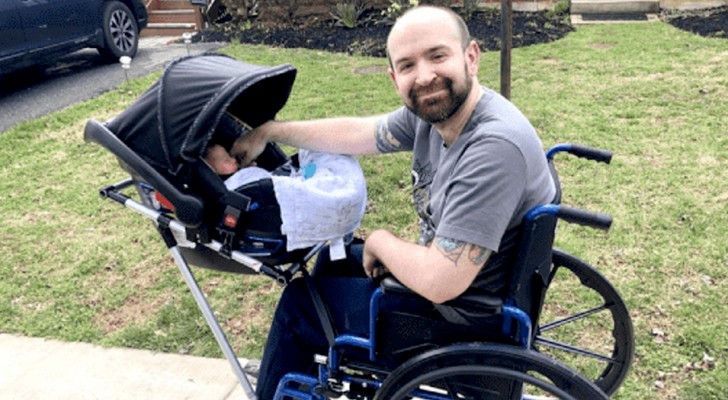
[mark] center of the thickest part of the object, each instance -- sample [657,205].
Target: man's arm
[439,273]
[343,135]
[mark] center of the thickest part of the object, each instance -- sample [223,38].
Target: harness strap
[323,312]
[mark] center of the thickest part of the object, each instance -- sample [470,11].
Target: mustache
[437,84]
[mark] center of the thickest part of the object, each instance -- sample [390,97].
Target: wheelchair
[541,346]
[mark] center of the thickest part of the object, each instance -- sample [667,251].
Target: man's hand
[249,146]
[372,266]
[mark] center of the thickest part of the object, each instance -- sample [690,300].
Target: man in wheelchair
[478,167]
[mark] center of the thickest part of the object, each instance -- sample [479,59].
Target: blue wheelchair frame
[538,232]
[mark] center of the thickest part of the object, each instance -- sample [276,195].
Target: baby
[229,129]
[222,162]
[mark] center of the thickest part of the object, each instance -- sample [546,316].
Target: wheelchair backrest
[530,273]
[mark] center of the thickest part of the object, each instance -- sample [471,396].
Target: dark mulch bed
[709,23]
[369,39]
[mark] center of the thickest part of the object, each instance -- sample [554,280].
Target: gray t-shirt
[478,189]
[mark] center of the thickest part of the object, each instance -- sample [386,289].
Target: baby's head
[221,161]
[218,153]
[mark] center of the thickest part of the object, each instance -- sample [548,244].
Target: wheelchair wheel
[585,324]
[484,371]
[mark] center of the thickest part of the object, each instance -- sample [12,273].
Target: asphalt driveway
[81,76]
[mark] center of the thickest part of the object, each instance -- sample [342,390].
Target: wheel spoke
[574,317]
[451,391]
[555,344]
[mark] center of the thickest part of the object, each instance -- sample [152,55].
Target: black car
[35,31]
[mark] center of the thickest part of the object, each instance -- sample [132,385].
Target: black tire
[585,324]
[484,371]
[121,32]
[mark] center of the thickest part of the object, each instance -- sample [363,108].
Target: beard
[437,110]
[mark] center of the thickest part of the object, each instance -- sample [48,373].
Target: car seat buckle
[227,229]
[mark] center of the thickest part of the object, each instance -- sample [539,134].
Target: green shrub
[348,14]
[560,8]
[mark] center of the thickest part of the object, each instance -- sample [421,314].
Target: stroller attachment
[161,141]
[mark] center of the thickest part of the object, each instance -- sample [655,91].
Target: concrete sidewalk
[32,368]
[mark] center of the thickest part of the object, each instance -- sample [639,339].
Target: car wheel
[121,33]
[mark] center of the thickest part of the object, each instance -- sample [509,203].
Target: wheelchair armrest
[472,299]
[390,284]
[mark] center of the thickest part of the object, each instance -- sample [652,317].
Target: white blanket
[324,200]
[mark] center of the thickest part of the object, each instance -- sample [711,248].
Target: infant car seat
[162,140]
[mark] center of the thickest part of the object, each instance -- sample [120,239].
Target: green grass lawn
[78,268]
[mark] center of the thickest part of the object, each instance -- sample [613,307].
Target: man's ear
[472,57]
[393,77]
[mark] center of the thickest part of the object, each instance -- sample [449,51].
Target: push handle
[581,151]
[584,217]
[591,153]
[189,209]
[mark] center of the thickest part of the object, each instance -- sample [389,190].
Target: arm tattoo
[454,249]
[478,255]
[386,143]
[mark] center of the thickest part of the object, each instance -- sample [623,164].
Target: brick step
[615,6]
[168,29]
[613,11]
[172,16]
[612,18]
[173,5]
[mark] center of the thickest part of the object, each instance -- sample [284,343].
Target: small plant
[246,26]
[560,8]
[397,8]
[348,14]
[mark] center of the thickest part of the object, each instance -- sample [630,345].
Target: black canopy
[172,122]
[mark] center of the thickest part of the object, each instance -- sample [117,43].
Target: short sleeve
[485,189]
[396,132]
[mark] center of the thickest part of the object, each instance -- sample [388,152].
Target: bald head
[428,15]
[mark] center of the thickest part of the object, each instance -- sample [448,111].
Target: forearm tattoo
[386,143]
[454,249]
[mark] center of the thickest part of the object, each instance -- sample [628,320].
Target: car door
[11,29]
[49,22]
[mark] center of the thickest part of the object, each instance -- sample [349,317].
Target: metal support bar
[212,323]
